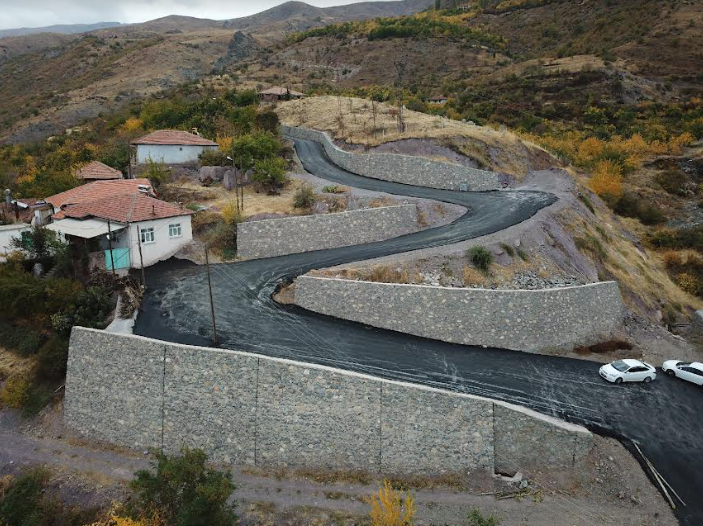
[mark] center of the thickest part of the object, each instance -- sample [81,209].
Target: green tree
[184,491]
[40,243]
[270,174]
[253,147]
[156,172]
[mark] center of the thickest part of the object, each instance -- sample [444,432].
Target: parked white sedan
[689,371]
[628,370]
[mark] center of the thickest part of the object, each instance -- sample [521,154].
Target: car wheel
[648,379]
[669,372]
[618,381]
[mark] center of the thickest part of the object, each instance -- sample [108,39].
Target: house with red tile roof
[97,171]
[122,214]
[171,147]
[277,93]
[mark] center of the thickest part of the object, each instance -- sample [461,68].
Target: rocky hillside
[52,81]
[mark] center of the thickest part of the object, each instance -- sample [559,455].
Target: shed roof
[98,171]
[279,91]
[174,137]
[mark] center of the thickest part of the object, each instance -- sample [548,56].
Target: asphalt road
[664,417]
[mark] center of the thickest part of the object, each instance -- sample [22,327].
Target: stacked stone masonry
[291,235]
[247,409]
[405,169]
[526,320]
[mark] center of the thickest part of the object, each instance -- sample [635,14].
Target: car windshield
[620,366]
[683,364]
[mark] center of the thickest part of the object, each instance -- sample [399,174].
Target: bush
[15,392]
[480,257]
[508,249]
[52,359]
[591,245]
[673,182]
[390,508]
[606,181]
[270,174]
[22,504]
[304,197]
[630,206]
[333,189]
[682,238]
[21,340]
[214,158]
[25,503]
[183,491]
[475,518]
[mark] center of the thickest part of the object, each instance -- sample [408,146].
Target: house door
[120,256]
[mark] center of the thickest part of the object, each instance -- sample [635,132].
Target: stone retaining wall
[290,235]
[525,320]
[247,409]
[406,169]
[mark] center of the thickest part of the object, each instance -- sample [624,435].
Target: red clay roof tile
[98,171]
[174,137]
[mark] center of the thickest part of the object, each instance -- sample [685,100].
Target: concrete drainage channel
[665,417]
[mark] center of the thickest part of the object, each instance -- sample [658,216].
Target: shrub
[475,518]
[15,392]
[231,215]
[508,249]
[606,181]
[51,359]
[587,202]
[183,491]
[333,189]
[304,197]
[630,206]
[691,237]
[391,508]
[22,504]
[673,182]
[21,340]
[270,174]
[480,257]
[214,158]
[591,245]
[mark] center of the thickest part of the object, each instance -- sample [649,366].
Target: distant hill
[65,29]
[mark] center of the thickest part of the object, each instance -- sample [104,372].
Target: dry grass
[355,124]
[11,364]
[255,203]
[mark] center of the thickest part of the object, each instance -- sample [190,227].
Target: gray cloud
[38,13]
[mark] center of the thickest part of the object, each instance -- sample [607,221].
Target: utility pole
[141,258]
[212,305]
[109,245]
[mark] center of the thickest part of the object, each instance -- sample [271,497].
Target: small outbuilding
[439,99]
[97,171]
[172,147]
[278,93]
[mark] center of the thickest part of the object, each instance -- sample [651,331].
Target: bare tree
[400,67]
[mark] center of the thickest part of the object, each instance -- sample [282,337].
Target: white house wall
[163,247]
[170,154]
[7,232]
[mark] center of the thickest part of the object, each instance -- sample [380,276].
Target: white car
[689,371]
[628,370]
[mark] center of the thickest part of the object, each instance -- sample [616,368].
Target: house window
[147,235]
[174,230]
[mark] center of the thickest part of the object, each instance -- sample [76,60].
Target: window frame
[147,230]
[175,225]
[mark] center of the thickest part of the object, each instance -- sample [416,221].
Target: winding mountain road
[664,417]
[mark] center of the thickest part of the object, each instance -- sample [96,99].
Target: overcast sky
[39,13]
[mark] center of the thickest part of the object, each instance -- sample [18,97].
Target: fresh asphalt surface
[664,417]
